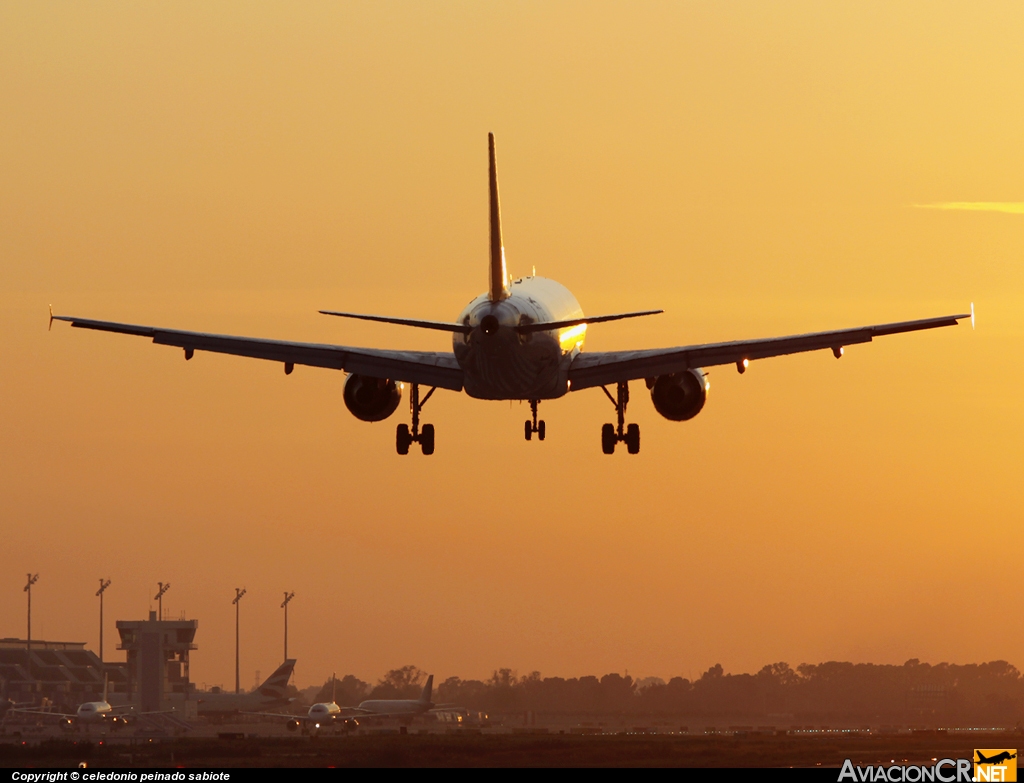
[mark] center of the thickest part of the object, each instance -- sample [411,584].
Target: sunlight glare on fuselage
[572,336]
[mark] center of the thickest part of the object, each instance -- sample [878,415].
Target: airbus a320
[520,340]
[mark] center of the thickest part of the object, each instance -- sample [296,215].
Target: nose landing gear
[534,425]
[425,437]
[610,434]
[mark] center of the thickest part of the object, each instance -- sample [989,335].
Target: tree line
[975,694]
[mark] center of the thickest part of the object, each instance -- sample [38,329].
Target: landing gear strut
[403,437]
[534,425]
[610,434]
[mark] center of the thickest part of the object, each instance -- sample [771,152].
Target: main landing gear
[425,437]
[610,435]
[534,425]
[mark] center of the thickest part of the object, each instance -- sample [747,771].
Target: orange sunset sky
[755,169]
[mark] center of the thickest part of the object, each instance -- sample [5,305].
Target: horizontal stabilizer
[593,319]
[443,326]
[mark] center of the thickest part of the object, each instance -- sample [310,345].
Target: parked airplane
[272,693]
[521,340]
[396,708]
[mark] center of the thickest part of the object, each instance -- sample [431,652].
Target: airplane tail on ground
[498,280]
[427,690]
[276,685]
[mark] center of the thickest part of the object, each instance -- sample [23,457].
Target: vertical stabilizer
[276,685]
[106,683]
[498,282]
[429,687]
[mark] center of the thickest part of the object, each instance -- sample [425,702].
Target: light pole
[159,598]
[104,584]
[287,598]
[238,598]
[28,589]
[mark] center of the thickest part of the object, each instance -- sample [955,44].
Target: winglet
[498,282]
[972,316]
[48,328]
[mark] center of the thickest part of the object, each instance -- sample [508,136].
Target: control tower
[157,653]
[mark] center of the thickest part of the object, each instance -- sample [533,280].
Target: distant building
[61,673]
[157,664]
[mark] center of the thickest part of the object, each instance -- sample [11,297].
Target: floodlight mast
[104,584]
[28,589]
[287,599]
[238,597]
[159,598]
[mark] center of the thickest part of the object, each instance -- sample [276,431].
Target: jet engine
[371,399]
[679,396]
[293,725]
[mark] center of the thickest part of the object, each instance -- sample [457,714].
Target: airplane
[272,693]
[320,714]
[999,758]
[520,340]
[324,714]
[90,712]
[397,708]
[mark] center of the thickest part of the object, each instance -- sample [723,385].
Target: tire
[529,431]
[403,439]
[427,439]
[540,430]
[608,439]
[633,438]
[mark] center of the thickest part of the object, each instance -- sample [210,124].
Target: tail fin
[427,690]
[276,685]
[498,283]
[106,680]
[334,688]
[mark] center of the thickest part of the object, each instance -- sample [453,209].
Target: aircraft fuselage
[93,711]
[501,364]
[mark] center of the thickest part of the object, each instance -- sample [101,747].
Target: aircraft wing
[426,367]
[37,711]
[276,715]
[600,368]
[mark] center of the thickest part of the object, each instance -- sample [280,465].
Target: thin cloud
[1010,207]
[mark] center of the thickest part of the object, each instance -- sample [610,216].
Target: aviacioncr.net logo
[942,771]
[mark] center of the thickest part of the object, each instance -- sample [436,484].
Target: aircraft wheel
[633,438]
[608,439]
[529,430]
[403,439]
[427,439]
[540,430]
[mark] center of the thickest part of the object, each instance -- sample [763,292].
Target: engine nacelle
[293,725]
[371,399]
[681,395]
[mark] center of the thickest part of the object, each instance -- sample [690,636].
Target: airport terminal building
[154,677]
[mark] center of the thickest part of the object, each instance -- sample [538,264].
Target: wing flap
[425,367]
[599,369]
